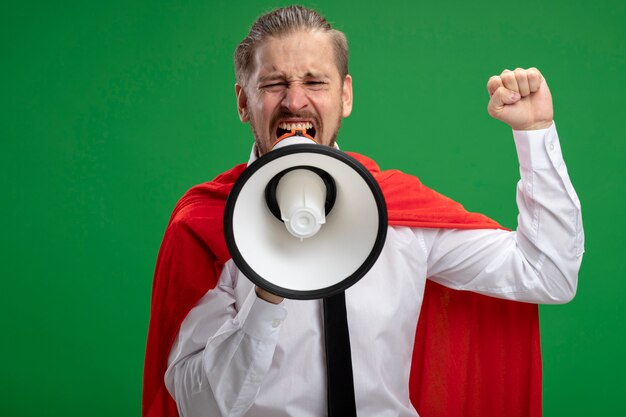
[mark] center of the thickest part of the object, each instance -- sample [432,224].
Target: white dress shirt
[237,355]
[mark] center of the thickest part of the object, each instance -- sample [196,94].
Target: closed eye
[273,86]
[315,85]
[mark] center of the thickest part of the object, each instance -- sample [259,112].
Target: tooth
[297,126]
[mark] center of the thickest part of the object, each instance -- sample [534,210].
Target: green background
[111,110]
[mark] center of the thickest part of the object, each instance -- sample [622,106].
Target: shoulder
[199,214]
[207,199]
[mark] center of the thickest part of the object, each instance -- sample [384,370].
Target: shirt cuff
[264,319]
[537,149]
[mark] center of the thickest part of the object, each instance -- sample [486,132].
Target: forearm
[224,377]
[549,232]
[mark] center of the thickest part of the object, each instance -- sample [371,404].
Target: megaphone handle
[340,380]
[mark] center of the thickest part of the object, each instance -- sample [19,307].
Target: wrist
[268,296]
[544,124]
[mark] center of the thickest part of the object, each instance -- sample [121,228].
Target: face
[295,83]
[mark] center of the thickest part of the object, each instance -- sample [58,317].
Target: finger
[501,98]
[534,79]
[493,84]
[522,81]
[509,81]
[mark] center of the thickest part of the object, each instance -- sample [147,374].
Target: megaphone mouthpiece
[297,134]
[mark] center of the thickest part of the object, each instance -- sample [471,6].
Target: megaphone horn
[305,221]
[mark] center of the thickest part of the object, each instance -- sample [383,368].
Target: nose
[295,98]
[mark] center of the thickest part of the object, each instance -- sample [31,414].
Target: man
[235,350]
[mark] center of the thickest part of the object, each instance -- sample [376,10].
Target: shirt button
[275,323]
[551,146]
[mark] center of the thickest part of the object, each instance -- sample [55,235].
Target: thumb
[502,97]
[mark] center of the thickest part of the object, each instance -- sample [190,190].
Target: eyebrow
[271,76]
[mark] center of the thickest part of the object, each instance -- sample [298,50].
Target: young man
[226,348]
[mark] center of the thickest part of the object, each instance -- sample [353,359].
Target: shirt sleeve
[222,352]
[539,261]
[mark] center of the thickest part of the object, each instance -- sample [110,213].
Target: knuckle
[493,84]
[493,81]
[508,77]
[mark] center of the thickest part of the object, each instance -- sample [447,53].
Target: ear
[242,103]
[346,96]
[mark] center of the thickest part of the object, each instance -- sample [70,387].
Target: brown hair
[283,21]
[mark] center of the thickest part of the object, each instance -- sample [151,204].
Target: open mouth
[306,127]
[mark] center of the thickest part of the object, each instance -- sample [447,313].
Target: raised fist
[521,99]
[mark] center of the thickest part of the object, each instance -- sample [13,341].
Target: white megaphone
[305,221]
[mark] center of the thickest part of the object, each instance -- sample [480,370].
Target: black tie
[341,402]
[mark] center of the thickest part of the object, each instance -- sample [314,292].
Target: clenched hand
[521,99]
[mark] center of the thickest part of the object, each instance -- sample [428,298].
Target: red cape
[473,356]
